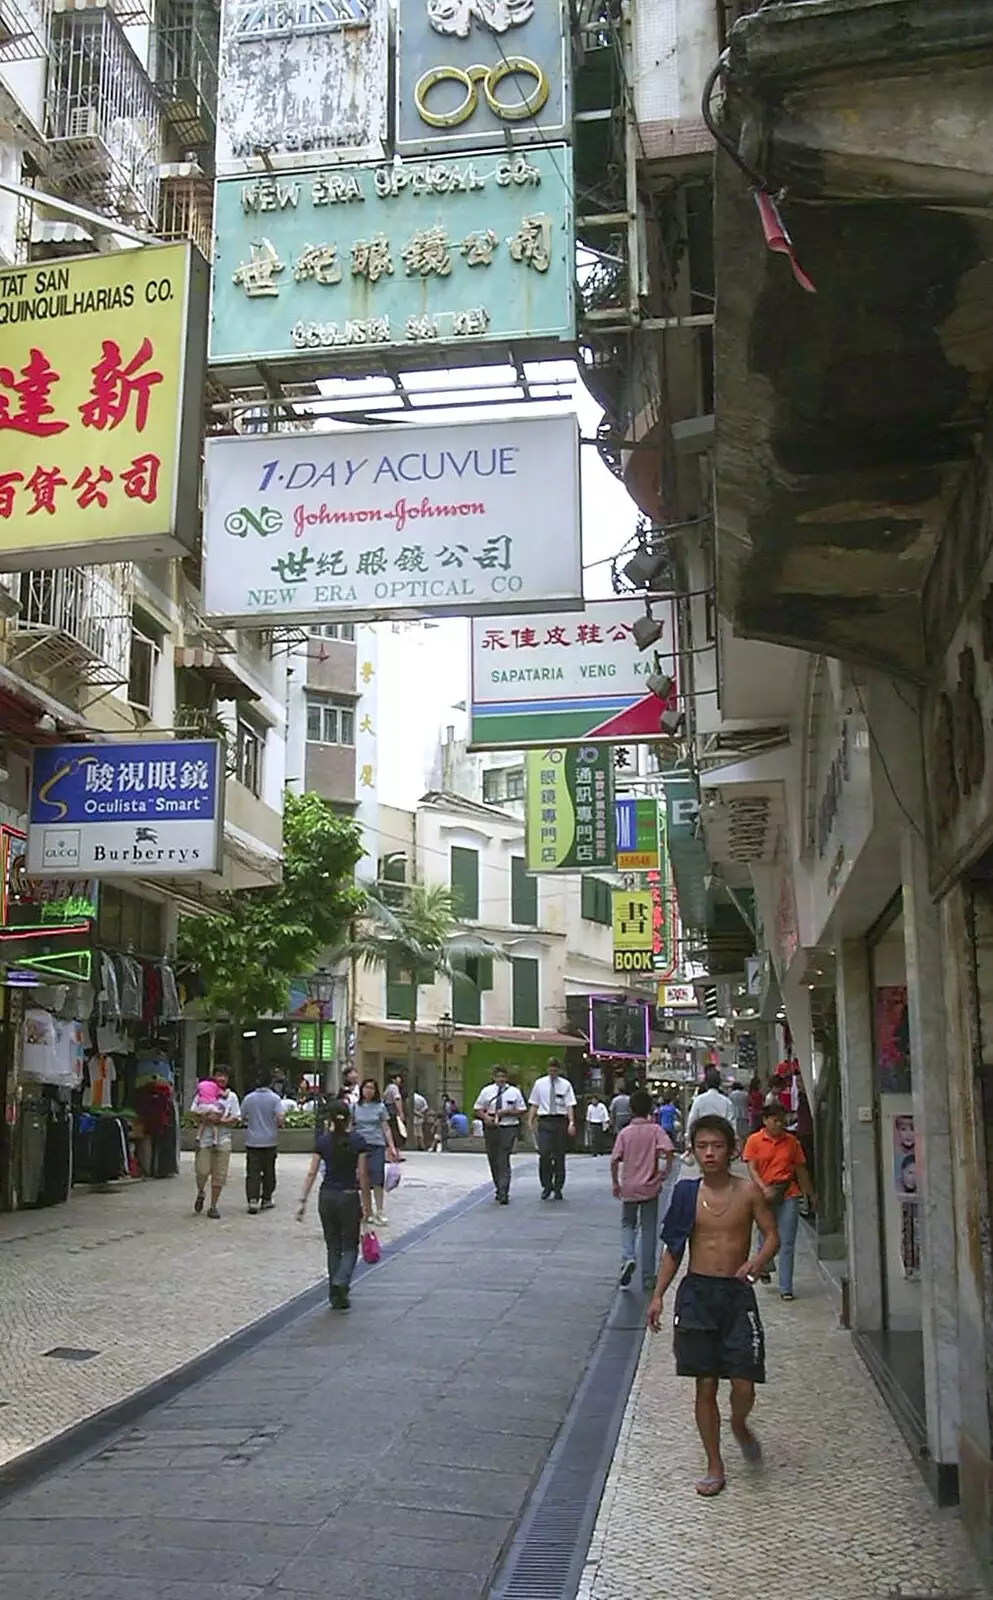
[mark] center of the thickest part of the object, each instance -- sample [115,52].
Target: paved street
[126,1274]
[386,1453]
[839,1507]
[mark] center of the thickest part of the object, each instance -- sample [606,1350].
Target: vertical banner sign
[639,824]
[570,809]
[126,810]
[632,922]
[301,83]
[665,953]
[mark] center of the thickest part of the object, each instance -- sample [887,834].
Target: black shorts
[717,1329]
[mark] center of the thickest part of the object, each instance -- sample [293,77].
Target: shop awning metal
[222,672]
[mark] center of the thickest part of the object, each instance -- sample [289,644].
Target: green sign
[570,808]
[639,835]
[314,268]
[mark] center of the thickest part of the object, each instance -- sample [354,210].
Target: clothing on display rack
[171,1010]
[58,1154]
[109,997]
[101,1072]
[131,985]
[32,1131]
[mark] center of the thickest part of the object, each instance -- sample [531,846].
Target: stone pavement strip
[133,1275]
[838,1511]
[382,1455]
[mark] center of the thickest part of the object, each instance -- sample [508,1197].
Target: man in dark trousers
[553,1107]
[262,1114]
[718,1331]
[501,1107]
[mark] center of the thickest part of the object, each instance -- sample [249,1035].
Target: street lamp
[446,1033]
[320,988]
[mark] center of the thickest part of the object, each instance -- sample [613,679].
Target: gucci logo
[471,79]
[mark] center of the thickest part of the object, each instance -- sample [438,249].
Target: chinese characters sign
[471,71]
[570,809]
[539,680]
[392,522]
[632,919]
[121,810]
[619,1028]
[355,262]
[638,823]
[99,407]
[300,79]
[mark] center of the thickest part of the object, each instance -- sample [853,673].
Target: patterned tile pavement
[134,1275]
[839,1510]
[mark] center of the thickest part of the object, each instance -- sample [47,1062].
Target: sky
[424,668]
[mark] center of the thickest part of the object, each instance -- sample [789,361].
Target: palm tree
[420,936]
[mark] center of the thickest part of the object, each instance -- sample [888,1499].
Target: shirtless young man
[718,1332]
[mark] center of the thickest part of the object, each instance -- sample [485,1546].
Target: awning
[43,232]
[541,1036]
[222,672]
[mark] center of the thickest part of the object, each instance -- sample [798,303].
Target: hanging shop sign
[632,925]
[569,809]
[664,944]
[125,810]
[392,522]
[472,72]
[302,82]
[101,395]
[678,997]
[353,264]
[541,680]
[619,1028]
[30,901]
[638,835]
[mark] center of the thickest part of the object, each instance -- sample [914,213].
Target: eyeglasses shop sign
[126,810]
[393,522]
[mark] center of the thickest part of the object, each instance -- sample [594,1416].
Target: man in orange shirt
[779,1168]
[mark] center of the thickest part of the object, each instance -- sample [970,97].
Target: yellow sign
[632,919]
[100,403]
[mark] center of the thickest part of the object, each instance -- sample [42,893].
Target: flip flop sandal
[710,1486]
[751,1449]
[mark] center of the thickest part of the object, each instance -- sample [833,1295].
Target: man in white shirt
[597,1123]
[712,1102]
[215,1120]
[501,1107]
[553,1108]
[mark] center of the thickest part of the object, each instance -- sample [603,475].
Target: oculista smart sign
[141,809]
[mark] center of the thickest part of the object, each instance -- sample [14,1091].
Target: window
[330,721]
[465,881]
[127,922]
[146,643]
[399,992]
[503,783]
[467,992]
[596,901]
[334,630]
[249,748]
[525,1013]
[392,876]
[523,894]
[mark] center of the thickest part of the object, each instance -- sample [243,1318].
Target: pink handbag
[372,1250]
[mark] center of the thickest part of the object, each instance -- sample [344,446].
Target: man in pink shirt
[639,1166]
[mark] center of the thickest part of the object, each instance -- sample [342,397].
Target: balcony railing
[72,623]
[184,69]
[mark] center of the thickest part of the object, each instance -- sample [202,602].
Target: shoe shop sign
[149,810]
[472,72]
[393,523]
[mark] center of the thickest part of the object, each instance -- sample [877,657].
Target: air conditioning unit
[84,123]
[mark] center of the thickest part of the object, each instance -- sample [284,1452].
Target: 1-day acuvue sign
[471,518]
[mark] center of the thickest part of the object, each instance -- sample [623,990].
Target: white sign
[545,680]
[393,522]
[302,83]
[678,997]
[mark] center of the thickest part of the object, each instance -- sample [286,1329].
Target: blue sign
[627,825]
[315,268]
[112,810]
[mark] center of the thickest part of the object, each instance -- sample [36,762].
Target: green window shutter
[465,881]
[525,992]
[606,906]
[398,992]
[465,992]
[595,905]
[484,967]
[523,894]
[589,899]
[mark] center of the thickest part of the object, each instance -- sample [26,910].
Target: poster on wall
[892,1040]
[904,1157]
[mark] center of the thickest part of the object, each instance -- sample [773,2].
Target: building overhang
[846,417]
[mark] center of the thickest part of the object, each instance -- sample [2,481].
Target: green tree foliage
[259,939]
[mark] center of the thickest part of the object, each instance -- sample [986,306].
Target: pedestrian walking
[711,1102]
[393,1101]
[552,1104]
[348,1094]
[718,1330]
[620,1109]
[215,1118]
[669,1118]
[597,1126]
[419,1108]
[738,1096]
[779,1170]
[500,1106]
[756,1104]
[639,1166]
[262,1114]
[371,1120]
[344,1198]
